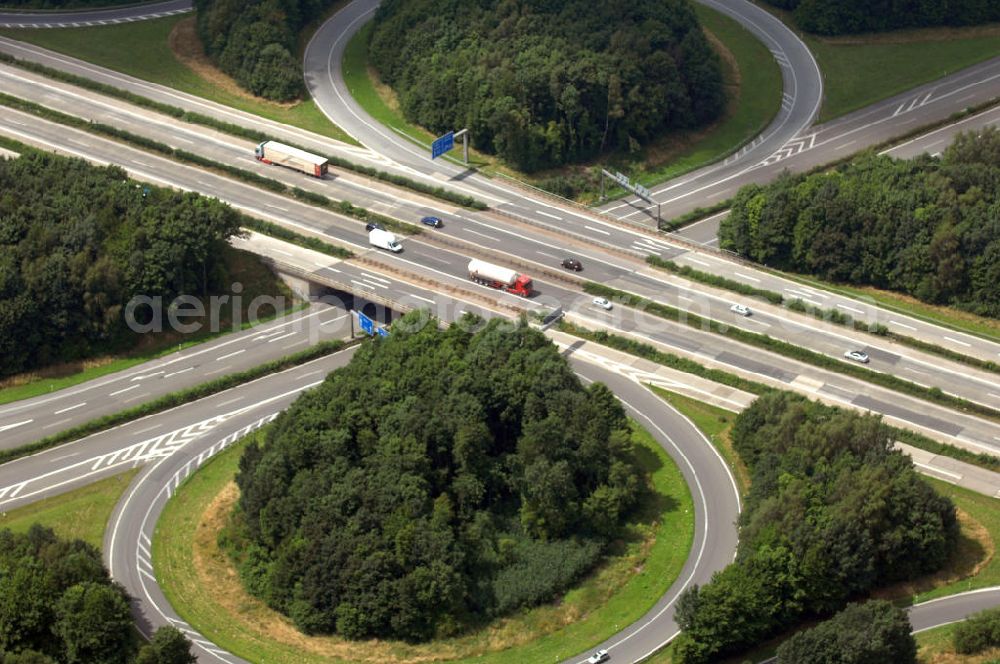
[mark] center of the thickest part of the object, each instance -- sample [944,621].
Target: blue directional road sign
[442,144]
[366,324]
[383,332]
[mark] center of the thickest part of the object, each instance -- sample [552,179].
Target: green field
[141,49]
[79,514]
[757,102]
[605,602]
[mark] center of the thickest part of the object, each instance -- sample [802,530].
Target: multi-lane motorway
[539,232]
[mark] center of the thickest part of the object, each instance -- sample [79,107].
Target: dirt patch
[975,550]
[55,371]
[187,47]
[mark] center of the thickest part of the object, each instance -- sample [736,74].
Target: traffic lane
[112,451]
[716,508]
[919,415]
[821,337]
[9,19]
[33,419]
[954,608]
[935,142]
[865,310]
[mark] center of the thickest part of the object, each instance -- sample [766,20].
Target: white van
[384,240]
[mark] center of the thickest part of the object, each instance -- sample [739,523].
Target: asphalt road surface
[89,17]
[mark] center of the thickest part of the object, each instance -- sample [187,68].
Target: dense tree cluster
[77,242]
[836,17]
[833,512]
[875,632]
[254,40]
[927,227]
[61,4]
[59,606]
[441,478]
[542,83]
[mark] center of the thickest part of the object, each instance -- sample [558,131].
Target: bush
[977,633]
[869,633]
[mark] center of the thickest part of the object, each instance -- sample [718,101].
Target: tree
[871,633]
[94,623]
[168,646]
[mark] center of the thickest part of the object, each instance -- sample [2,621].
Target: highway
[795,151]
[90,17]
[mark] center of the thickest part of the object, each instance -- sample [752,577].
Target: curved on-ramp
[130,534]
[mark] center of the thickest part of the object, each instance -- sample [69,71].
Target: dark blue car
[432,221]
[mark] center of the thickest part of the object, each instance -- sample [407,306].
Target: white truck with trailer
[273,152]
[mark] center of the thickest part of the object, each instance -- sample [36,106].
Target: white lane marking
[420,297]
[230,402]
[56,424]
[226,357]
[281,251]
[550,216]
[547,255]
[488,237]
[956,341]
[939,471]
[361,284]
[124,390]
[66,410]
[374,284]
[174,373]
[331,269]
[746,276]
[699,262]
[597,230]
[844,306]
[845,145]
[149,375]
[908,327]
[283,336]
[372,277]
[275,207]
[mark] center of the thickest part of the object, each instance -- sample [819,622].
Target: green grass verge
[669,515]
[858,74]
[140,49]
[716,423]
[173,399]
[936,647]
[79,514]
[759,99]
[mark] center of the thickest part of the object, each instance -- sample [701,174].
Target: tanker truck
[498,277]
[273,152]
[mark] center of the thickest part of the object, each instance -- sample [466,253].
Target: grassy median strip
[828,315]
[174,399]
[441,193]
[638,570]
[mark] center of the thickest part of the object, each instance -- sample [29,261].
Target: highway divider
[791,351]
[829,315]
[653,354]
[441,193]
[174,399]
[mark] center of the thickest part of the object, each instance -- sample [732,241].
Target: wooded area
[836,17]
[546,83]
[255,41]
[62,4]
[77,242]
[926,227]
[59,605]
[441,479]
[833,512]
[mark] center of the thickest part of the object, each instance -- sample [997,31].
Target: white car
[741,309]
[598,657]
[857,356]
[602,303]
